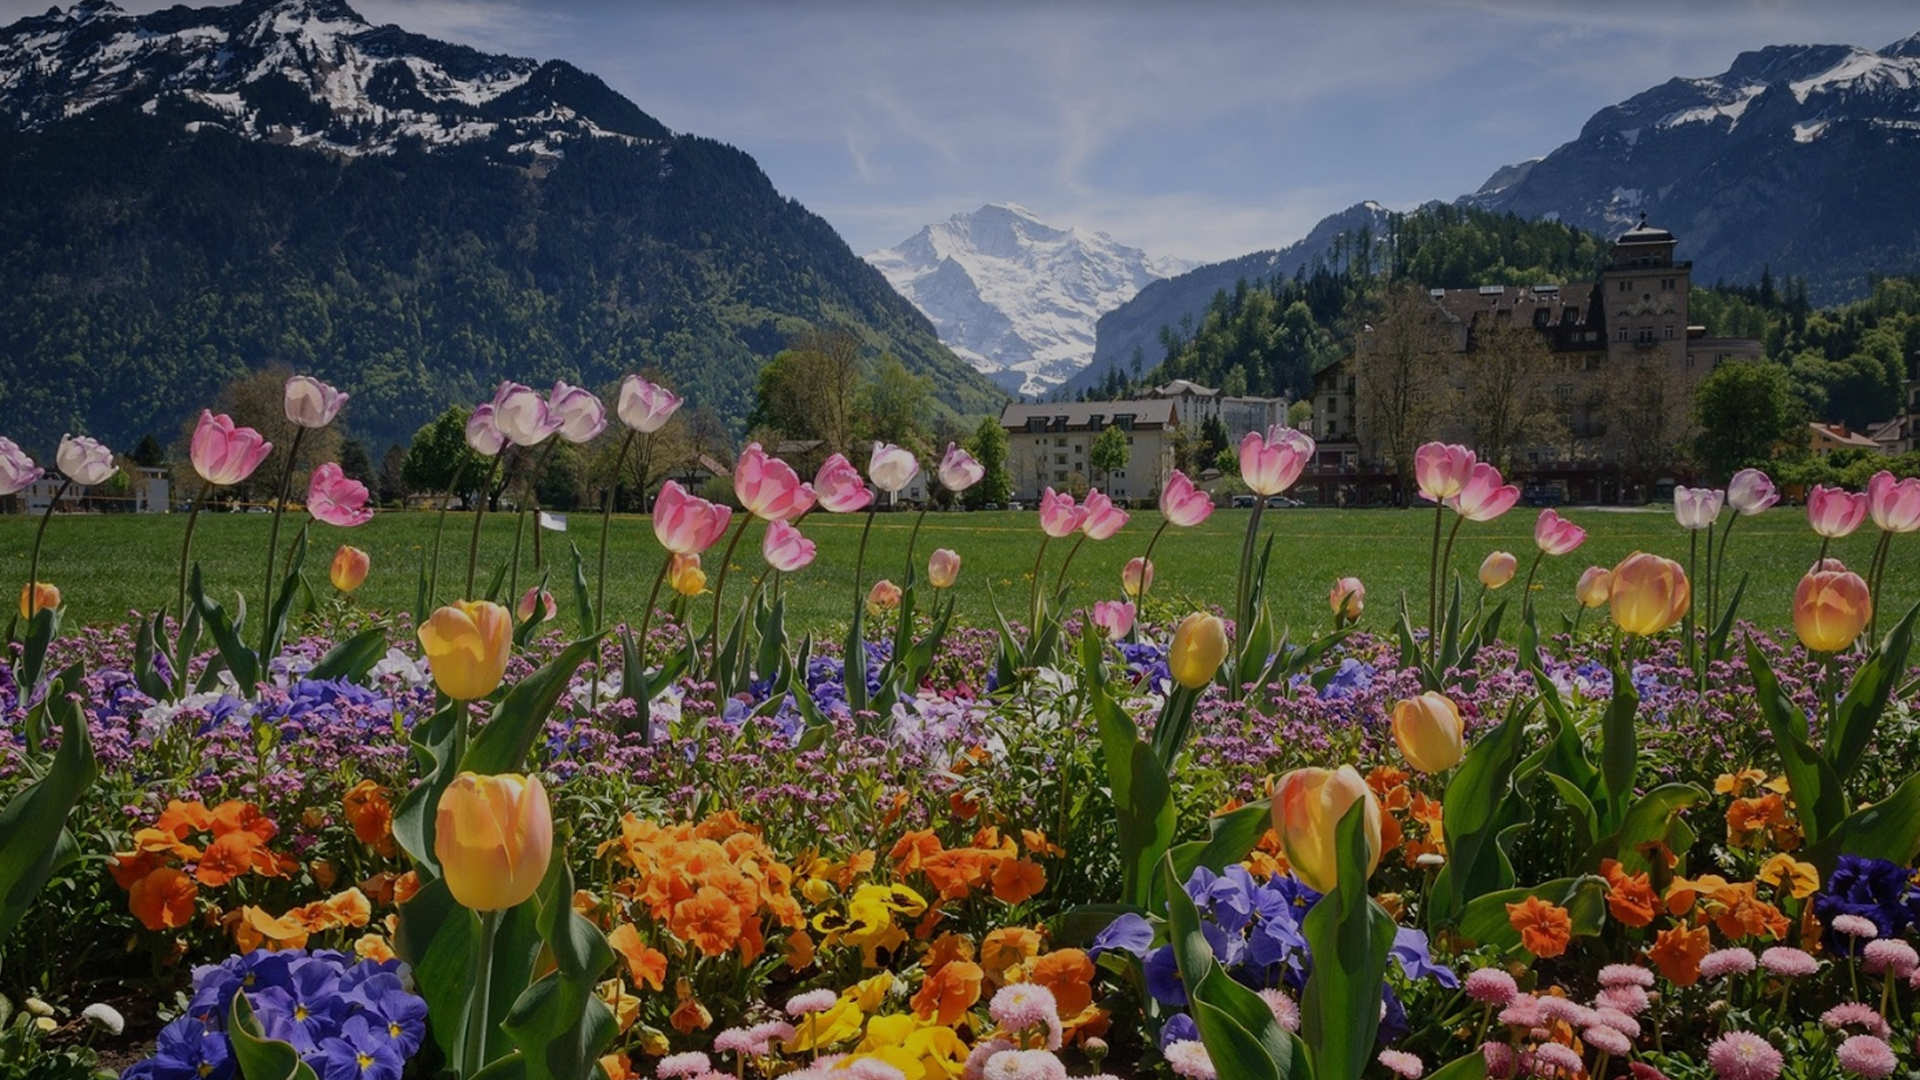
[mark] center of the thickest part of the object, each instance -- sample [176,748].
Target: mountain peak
[1906,46]
[1013,295]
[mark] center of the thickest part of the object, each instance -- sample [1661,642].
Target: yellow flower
[1199,647]
[1800,879]
[467,645]
[493,836]
[1429,732]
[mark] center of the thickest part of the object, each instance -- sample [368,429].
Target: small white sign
[553,522]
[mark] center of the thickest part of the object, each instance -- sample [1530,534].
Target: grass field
[107,566]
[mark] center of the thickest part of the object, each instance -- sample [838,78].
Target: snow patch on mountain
[1014,296]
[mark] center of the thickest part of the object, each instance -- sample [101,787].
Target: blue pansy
[1129,933]
[395,1013]
[358,1053]
[1871,888]
[1163,977]
[1179,1027]
[190,1050]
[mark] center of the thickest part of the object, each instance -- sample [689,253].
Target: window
[1666,284]
[1669,333]
[1626,286]
[1059,459]
[1563,393]
[1622,336]
[1061,441]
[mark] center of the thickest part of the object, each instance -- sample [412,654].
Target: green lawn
[109,565]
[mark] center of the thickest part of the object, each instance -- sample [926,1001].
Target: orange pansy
[948,993]
[1544,928]
[1677,952]
[1069,974]
[1017,880]
[164,899]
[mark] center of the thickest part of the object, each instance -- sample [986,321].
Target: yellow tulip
[1498,569]
[1307,807]
[1429,731]
[1199,647]
[1830,608]
[349,569]
[1596,585]
[467,645]
[685,575]
[1648,593]
[493,836]
[37,596]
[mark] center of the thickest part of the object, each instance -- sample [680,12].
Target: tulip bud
[943,568]
[1429,731]
[467,644]
[1595,586]
[891,467]
[1751,491]
[1307,807]
[1648,593]
[1830,608]
[838,487]
[785,549]
[1348,598]
[884,596]
[1271,462]
[577,414]
[1485,495]
[311,403]
[483,437]
[85,461]
[1697,508]
[522,415]
[38,596]
[224,454]
[535,602]
[334,498]
[1894,504]
[1835,512]
[1497,569]
[1058,515]
[959,471]
[1103,519]
[1441,470]
[1556,535]
[1199,648]
[1137,576]
[1183,504]
[1114,617]
[17,470]
[349,569]
[645,406]
[685,575]
[493,836]
[768,488]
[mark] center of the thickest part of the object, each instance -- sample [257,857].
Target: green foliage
[1109,452]
[1747,413]
[34,841]
[439,456]
[989,447]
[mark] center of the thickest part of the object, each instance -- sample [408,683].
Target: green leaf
[226,634]
[146,646]
[1485,919]
[1176,720]
[1859,712]
[503,744]
[582,599]
[1144,813]
[1717,640]
[259,1057]
[41,630]
[560,1026]
[524,630]
[437,747]
[1818,800]
[1651,818]
[854,660]
[1487,629]
[1350,938]
[1473,1066]
[773,637]
[353,658]
[1619,754]
[34,819]
[1471,815]
[1232,835]
[1236,1026]
[273,629]
[184,647]
[1586,823]
[1409,644]
[1889,829]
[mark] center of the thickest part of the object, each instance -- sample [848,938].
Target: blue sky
[1198,130]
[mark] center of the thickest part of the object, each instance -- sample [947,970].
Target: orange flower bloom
[1630,897]
[1677,952]
[1069,974]
[183,819]
[1038,844]
[690,1017]
[371,816]
[373,947]
[1800,879]
[350,908]
[645,964]
[1749,820]
[233,814]
[799,950]
[948,993]
[709,920]
[228,857]
[1005,951]
[912,850]
[405,886]
[1544,928]
[955,873]
[1016,880]
[164,899]
[128,867]
[945,949]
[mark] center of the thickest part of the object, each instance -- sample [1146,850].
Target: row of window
[1667,284]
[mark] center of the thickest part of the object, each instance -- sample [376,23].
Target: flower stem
[1061,578]
[860,561]
[1433,582]
[1446,568]
[33,564]
[475,1052]
[1147,560]
[479,511]
[186,546]
[1526,594]
[1033,600]
[433,576]
[913,539]
[600,590]
[273,534]
[1243,597]
[720,582]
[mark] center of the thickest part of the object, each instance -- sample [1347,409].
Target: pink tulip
[1556,535]
[336,500]
[223,454]
[1348,598]
[786,550]
[839,487]
[645,406]
[312,403]
[1835,512]
[485,439]
[891,467]
[884,596]
[1895,505]
[1751,491]
[1103,518]
[1442,470]
[768,487]
[577,415]
[1058,516]
[1697,508]
[685,524]
[1137,577]
[1183,504]
[535,600]
[1485,495]
[522,415]
[17,470]
[1113,616]
[958,470]
[1271,463]
[943,568]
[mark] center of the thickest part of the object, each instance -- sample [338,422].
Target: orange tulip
[1595,587]
[1307,807]
[349,569]
[1830,608]
[493,836]
[685,575]
[1648,593]
[38,596]
[467,645]
[1429,732]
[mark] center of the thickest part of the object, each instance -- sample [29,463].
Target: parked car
[991,506]
[1282,502]
[1243,502]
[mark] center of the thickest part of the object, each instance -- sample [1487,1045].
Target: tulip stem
[600,589]
[913,540]
[186,547]
[1433,582]
[1446,567]
[1719,567]
[860,560]
[1146,560]
[1033,601]
[1877,570]
[533,499]
[1244,597]
[478,1004]
[1526,594]
[479,511]
[33,564]
[273,536]
[646,616]
[720,582]
[433,576]
[1060,579]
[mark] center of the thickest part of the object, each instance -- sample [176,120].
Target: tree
[811,390]
[439,457]
[393,482]
[1642,409]
[149,454]
[1110,451]
[1213,440]
[1506,404]
[355,461]
[1747,413]
[258,400]
[1401,383]
[1235,384]
[989,447]
[1300,414]
[897,403]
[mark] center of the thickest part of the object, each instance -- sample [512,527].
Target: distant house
[1195,404]
[1047,445]
[1824,439]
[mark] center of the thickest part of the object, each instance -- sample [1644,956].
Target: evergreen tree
[989,447]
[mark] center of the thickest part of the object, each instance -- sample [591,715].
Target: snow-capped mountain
[1015,297]
[1797,157]
[309,73]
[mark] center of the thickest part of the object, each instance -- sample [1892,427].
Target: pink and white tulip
[1348,598]
[884,596]
[686,524]
[522,415]
[1103,518]
[943,568]
[335,499]
[645,406]
[1183,504]
[1556,535]
[311,403]
[1270,463]
[1059,516]
[1115,617]
[1485,495]
[224,454]
[1441,470]
[891,467]
[839,488]
[785,549]
[768,488]
[85,461]
[577,414]
[1835,512]
[17,470]
[1697,508]
[482,436]
[1894,504]
[959,471]
[535,601]
[1137,576]
[1750,491]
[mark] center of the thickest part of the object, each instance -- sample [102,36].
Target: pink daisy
[1788,962]
[1618,1021]
[1491,986]
[813,1001]
[1855,1014]
[691,1063]
[1628,999]
[1019,1006]
[1889,955]
[1625,975]
[1524,1011]
[1188,1058]
[1742,1055]
[1286,1012]
[1548,1057]
[1500,1059]
[1865,1055]
[1401,1063]
[1559,1008]
[1721,963]
[872,1069]
[1608,1039]
[1855,926]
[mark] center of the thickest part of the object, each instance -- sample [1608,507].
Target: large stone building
[1047,446]
[1194,405]
[1614,371]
